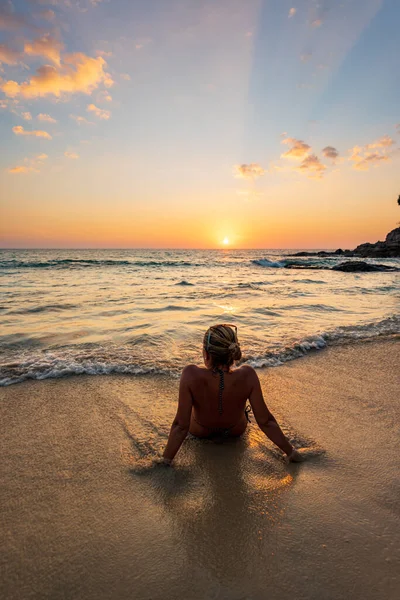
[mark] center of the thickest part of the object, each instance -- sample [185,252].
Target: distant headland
[390,248]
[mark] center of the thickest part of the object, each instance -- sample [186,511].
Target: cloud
[312,167]
[73,155]
[79,73]
[383,142]
[125,76]
[80,120]
[27,116]
[48,15]
[11,21]
[363,158]
[292,12]
[370,159]
[104,96]
[19,130]
[330,152]
[316,23]
[251,171]
[9,56]
[22,169]
[108,80]
[30,165]
[99,112]
[47,118]
[298,150]
[104,53]
[46,46]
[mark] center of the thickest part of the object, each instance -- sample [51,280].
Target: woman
[212,399]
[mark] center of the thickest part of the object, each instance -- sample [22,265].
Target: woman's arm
[266,420]
[181,422]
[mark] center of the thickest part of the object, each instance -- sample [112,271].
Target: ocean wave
[386,328]
[97,360]
[265,262]
[42,308]
[169,307]
[68,263]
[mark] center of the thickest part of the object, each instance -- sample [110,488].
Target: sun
[225,241]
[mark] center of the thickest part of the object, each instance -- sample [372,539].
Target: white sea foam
[132,312]
[114,360]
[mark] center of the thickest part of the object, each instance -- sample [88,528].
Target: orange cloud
[9,56]
[22,169]
[312,167]
[104,96]
[30,165]
[370,159]
[292,12]
[73,155]
[298,150]
[47,118]
[125,76]
[99,112]
[383,142]
[251,171]
[80,120]
[46,46]
[316,23]
[27,116]
[19,130]
[363,158]
[79,73]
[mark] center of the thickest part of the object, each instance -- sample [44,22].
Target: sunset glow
[130,126]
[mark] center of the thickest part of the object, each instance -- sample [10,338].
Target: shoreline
[228,521]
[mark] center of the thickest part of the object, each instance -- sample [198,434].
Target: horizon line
[168,248]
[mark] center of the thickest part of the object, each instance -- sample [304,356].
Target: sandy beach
[82,519]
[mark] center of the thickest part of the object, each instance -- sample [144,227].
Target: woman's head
[221,345]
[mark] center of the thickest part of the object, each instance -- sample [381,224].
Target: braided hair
[221,343]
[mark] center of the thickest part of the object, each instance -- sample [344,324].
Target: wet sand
[81,519]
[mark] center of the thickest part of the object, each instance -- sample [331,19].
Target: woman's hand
[160,460]
[296,456]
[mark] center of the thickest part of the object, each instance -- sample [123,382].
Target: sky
[190,123]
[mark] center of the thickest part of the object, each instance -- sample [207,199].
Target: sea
[70,312]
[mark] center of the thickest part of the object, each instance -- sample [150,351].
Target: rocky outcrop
[390,248]
[356,266]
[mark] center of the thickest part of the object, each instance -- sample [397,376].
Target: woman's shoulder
[191,371]
[246,371]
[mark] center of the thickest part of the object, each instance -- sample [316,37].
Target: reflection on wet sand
[226,501]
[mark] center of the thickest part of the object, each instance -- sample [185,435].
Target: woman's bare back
[212,412]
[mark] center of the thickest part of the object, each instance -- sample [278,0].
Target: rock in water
[353,266]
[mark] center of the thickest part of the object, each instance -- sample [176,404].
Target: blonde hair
[221,343]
